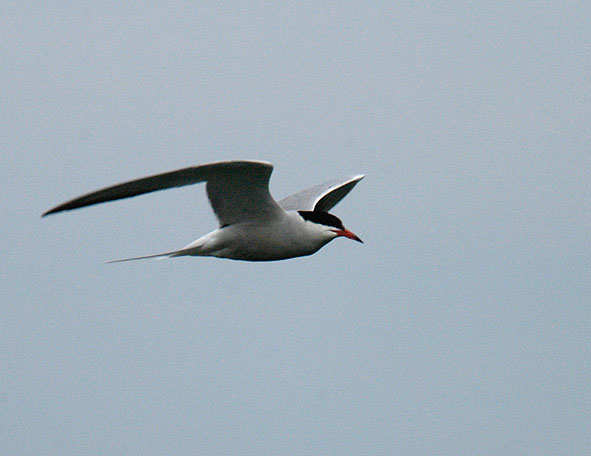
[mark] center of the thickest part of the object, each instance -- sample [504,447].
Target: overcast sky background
[461,326]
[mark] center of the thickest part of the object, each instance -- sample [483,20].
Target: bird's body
[288,237]
[253,226]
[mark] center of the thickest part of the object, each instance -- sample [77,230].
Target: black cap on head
[323,218]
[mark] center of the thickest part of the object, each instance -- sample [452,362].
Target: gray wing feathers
[241,193]
[148,184]
[322,197]
[230,184]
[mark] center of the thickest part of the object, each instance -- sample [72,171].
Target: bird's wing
[238,190]
[322,197]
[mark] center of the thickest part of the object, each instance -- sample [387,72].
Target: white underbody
[288,237]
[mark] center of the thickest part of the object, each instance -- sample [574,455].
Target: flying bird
[253,226]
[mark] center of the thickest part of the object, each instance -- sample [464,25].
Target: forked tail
[159,256]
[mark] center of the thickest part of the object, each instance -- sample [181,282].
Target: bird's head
[328,225]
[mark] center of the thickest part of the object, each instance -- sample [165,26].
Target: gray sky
[461,326]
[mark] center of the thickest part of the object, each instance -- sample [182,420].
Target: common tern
[253,226]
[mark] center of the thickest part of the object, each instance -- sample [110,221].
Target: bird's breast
[268,242]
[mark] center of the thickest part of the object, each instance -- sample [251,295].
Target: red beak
[348,234]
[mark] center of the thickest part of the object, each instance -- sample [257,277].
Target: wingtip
[52,211]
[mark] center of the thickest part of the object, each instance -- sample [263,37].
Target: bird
[252,225]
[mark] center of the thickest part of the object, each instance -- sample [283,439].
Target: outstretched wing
[322,197]
[238,190]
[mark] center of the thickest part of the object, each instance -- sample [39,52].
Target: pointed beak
[348,234]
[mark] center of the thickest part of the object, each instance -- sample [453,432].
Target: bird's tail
[158,256]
